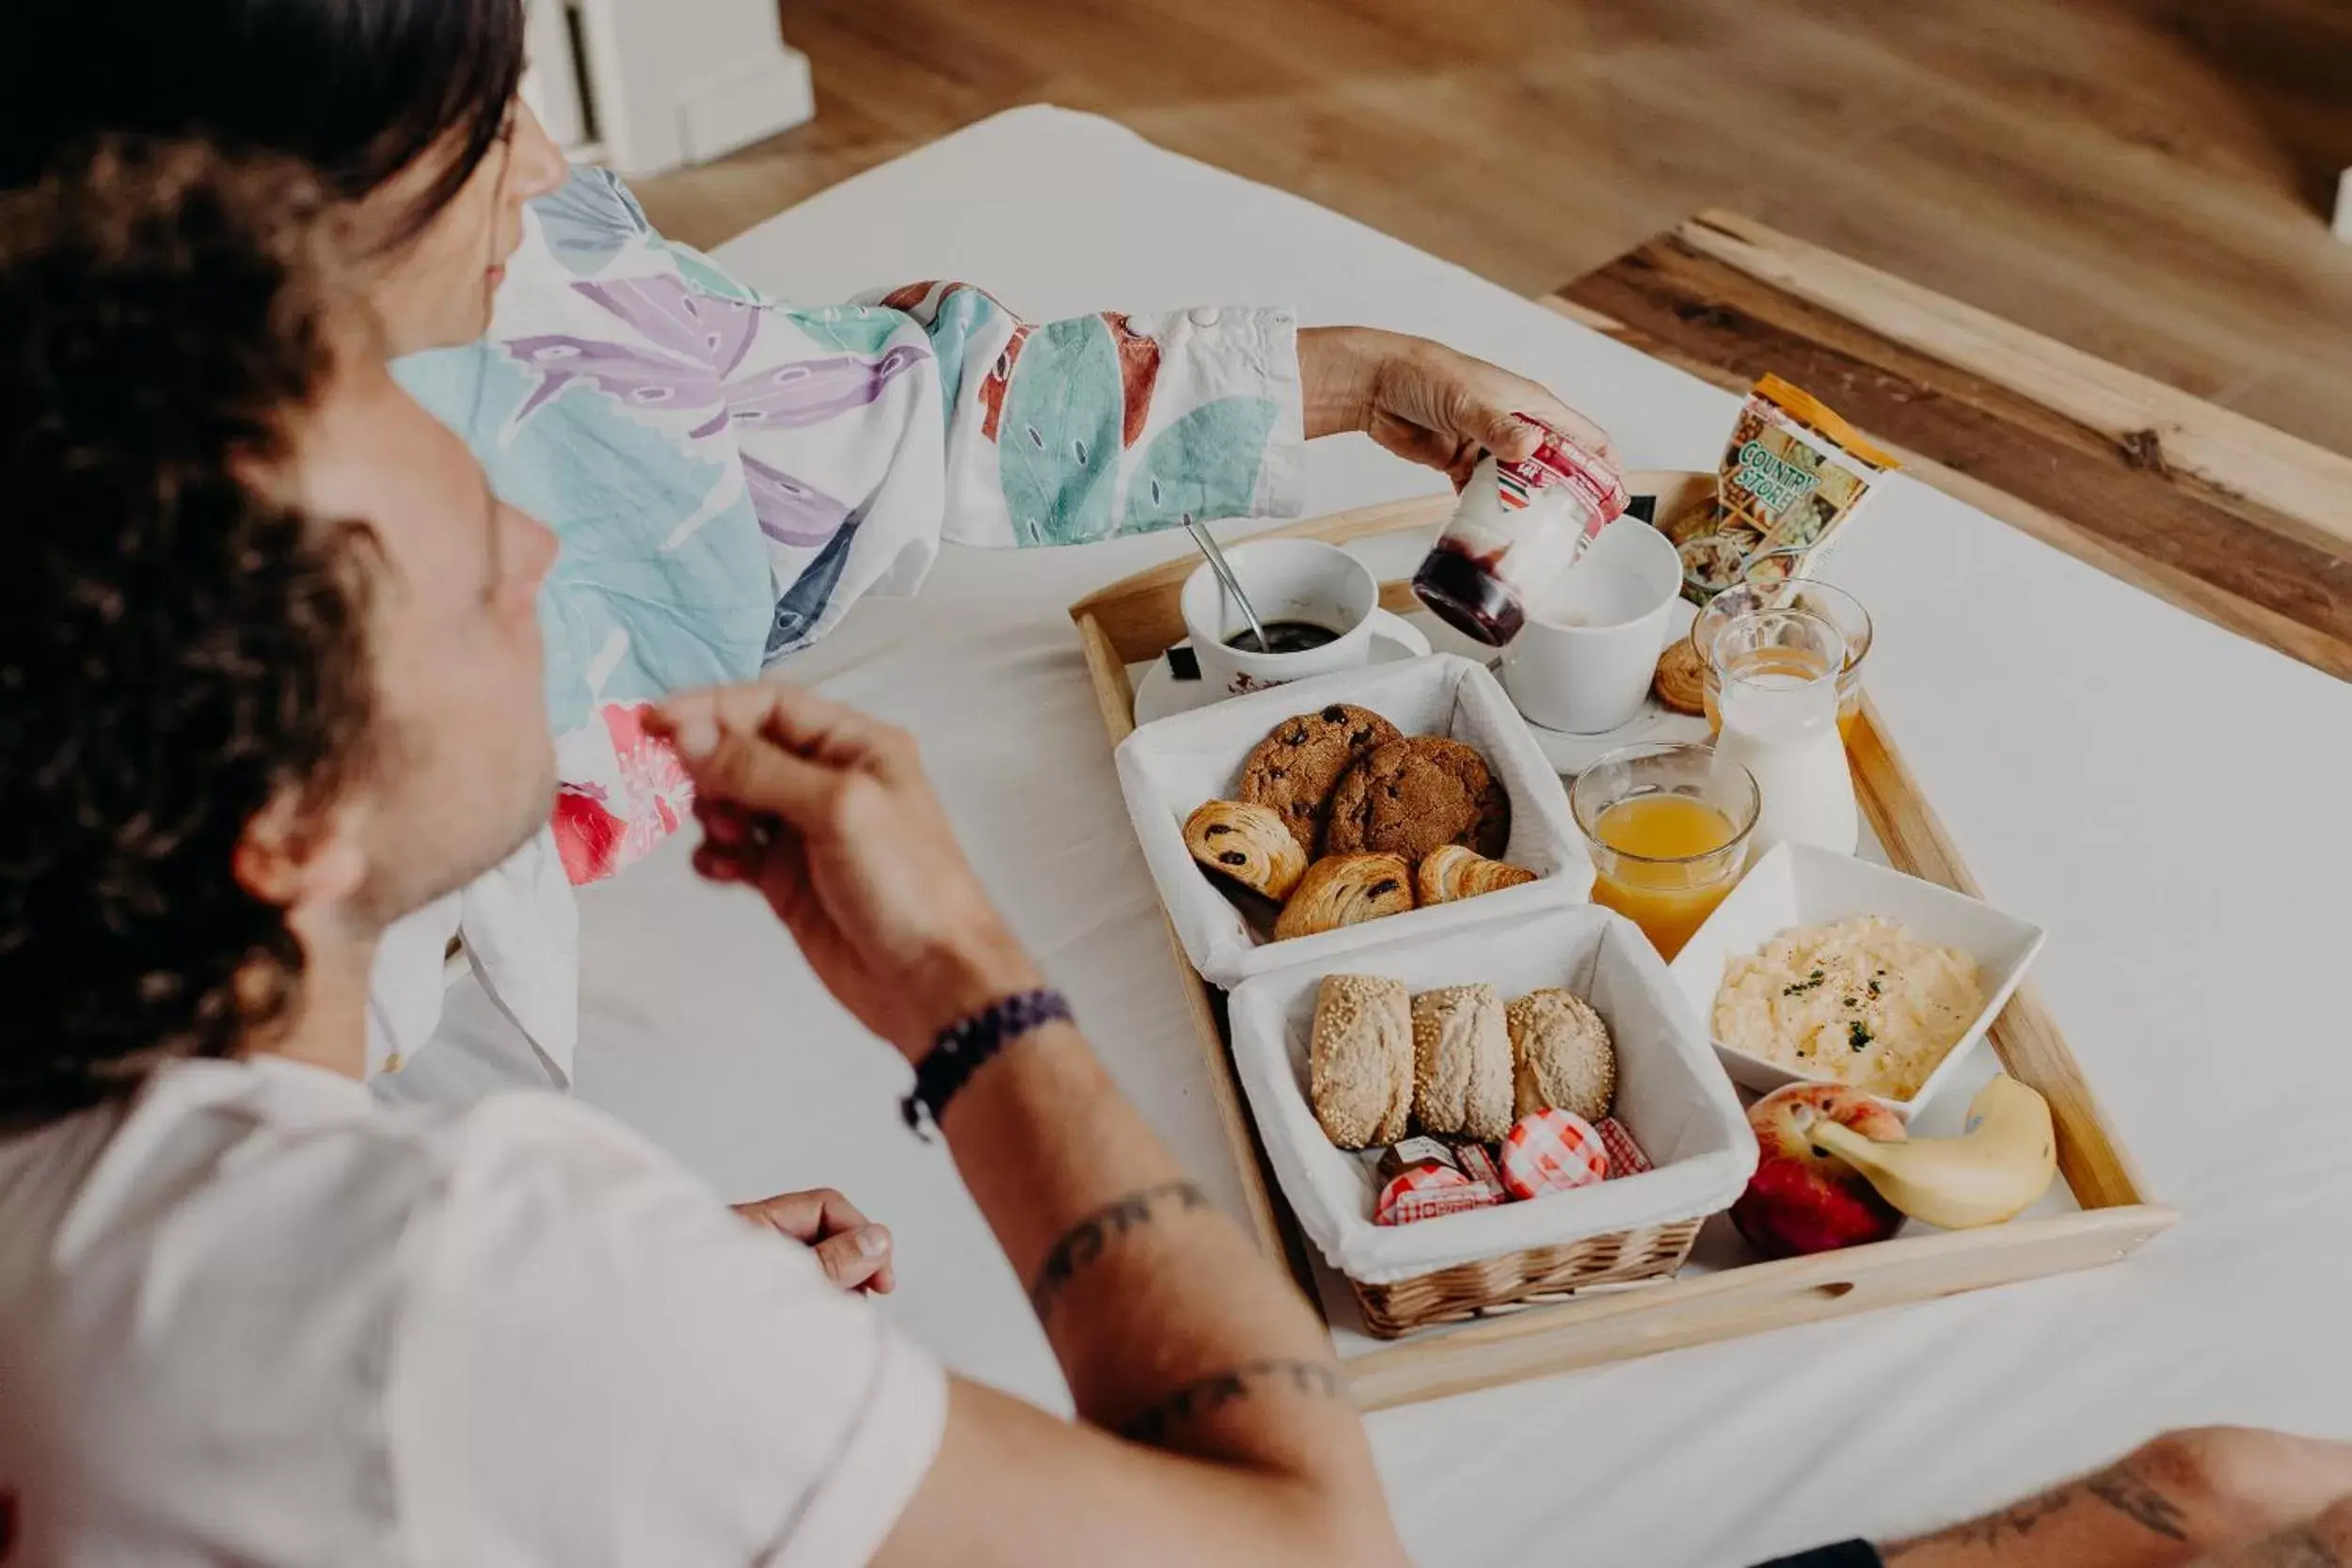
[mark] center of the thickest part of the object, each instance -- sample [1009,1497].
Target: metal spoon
[1231,584]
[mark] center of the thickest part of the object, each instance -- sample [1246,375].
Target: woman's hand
[1426,403]
[853,1252]
[827,813]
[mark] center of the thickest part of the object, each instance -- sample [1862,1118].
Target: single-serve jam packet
[1793,474]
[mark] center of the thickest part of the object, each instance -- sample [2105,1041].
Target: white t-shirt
[251,1317]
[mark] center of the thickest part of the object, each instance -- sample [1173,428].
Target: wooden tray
[1138,620]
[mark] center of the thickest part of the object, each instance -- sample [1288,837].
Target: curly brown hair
[181,648]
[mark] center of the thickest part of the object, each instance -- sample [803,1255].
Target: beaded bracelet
[963,1046]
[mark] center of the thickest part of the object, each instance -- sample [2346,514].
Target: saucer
[1656,722]
[1160,694]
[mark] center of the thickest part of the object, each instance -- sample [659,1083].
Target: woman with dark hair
[407,110]
[727,472]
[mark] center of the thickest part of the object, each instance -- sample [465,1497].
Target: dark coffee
[1285,636]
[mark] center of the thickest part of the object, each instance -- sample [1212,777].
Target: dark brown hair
[180,647]
[360,89]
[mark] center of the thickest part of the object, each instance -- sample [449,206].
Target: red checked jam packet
[1625,1156]
[1426,1192]
[1552,1151]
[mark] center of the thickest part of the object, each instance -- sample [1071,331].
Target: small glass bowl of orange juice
[1669,827]
[1768,589]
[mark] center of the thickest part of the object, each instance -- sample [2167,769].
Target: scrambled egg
[1862,1002]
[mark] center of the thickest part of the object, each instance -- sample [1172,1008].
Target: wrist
[968,1047]
[1335,367]
[955,986]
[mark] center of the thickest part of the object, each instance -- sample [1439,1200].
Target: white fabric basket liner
[1672,1094]
[1168,769]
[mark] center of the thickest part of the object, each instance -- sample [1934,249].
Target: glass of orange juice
[1766,588]
[1669,829]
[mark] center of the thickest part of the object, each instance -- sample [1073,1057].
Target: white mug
[1288,579]
[1585,658]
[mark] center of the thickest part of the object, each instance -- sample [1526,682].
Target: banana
[1993,1171]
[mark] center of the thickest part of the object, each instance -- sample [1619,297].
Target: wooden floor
[2144,178]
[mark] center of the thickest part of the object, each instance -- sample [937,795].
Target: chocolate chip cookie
[1410,797]
[1295,769]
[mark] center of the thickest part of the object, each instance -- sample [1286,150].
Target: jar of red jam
[1516,527]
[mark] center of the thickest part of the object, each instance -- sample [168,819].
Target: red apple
[1804,1198]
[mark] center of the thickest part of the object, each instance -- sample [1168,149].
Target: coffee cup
[1583,661]
[1313,598]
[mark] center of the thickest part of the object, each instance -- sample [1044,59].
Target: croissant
[1345,890]
[1249,844]
[1451,872]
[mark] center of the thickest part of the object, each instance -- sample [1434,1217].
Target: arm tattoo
[1088,1239]
[2013,1523]
[2126,1493]
[2119,1488]
[1153,1424]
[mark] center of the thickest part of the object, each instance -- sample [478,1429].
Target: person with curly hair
[730,472]
[269,679]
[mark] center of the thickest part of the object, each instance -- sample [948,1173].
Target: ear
[295,863]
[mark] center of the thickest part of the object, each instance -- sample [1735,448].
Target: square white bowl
[1797,885]
[1168,769]
[1670,1096]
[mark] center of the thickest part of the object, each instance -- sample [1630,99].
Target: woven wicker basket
[1516,1255]
[1523,1280]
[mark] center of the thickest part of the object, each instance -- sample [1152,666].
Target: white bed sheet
[2166,799]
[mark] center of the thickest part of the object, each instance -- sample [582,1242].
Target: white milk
[1785,729]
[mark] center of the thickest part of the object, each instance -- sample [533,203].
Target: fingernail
[872,1241]
[696,739]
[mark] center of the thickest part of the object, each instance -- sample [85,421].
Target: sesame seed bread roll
[1359,1069]
[1563,1057]
[1461,1063]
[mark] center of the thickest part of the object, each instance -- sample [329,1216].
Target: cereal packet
[1793,473]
